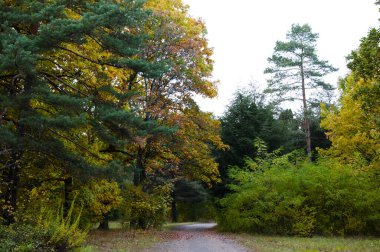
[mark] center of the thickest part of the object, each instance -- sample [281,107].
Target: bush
[301,199]
[101,198]
[50,232]
[144,210]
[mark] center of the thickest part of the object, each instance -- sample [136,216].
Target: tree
[177,40]
[286,132]
[59,100]
[246,119]
[241,124]
[354,126]
[295,69]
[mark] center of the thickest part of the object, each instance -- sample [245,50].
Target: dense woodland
[98,122]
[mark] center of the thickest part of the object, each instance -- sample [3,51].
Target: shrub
[101,198]
[301,199]
[50,232]
[144,210]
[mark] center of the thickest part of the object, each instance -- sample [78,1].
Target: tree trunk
[305,114]
[11,180]
[104,224]
[174,209]
[139,173]
[68,191]
[12,173]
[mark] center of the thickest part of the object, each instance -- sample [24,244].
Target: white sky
[243,34]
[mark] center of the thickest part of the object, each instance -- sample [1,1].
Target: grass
[315,244]
[121,240]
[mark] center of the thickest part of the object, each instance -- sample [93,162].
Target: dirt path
[197,238]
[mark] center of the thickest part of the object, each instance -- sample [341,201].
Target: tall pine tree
[295,70]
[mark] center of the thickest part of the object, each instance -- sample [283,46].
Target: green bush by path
[286,198]
[48,232]
[143,210]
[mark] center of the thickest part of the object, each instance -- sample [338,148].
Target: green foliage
[196,211]
[101,197]
[193,202]
[296,72]
[53,76]
[95,90]
[296,66]
[248,118]
[23,238]
[289,197]
[50,232]
[364,61]
[144,210]
[189,191]
[65,231]
[354,126]
[338,195]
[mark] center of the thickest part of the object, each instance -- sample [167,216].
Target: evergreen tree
[286,132]
[50,107]
[295,69]
[246,119]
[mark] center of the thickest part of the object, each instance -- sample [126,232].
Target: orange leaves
[180,39]
[198,134]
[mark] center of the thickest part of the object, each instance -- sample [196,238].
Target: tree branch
[78,145]
[98,62]
[63,82]
[112,149]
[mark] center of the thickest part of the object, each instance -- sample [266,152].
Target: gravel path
[197,238]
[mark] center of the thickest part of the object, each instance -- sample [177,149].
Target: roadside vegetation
[299,244]
[99,128]
[332,189]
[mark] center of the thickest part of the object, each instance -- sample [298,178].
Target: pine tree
[295,69]
[50,108]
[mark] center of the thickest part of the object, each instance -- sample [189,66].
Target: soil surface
[197,238]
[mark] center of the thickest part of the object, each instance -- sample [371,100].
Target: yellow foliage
[353,129]
[147,210]
[197,135]
[106,196]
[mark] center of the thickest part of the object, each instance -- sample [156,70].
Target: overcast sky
[243,34]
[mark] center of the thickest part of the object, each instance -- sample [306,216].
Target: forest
[99,124]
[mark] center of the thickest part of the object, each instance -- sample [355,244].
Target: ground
[194,237]
[197,238]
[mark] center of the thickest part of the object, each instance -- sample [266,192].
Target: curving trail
[197,238]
